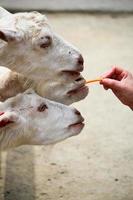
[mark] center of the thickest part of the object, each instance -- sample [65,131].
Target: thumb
[111,84]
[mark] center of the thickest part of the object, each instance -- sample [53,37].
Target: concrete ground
[97,164]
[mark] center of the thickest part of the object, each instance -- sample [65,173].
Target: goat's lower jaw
[76,125]
[76,128]
[81,89]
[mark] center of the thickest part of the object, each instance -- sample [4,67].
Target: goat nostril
[77,112]
[80,60]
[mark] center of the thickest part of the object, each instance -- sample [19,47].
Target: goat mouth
[77,125]
[71,72]
[76,75]
[81,89]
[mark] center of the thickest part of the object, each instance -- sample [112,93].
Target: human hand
[120,82]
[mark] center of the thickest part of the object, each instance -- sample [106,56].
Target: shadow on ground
[19,175]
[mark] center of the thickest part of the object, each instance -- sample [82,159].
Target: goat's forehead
[34,15]
[18,101]
[30,21]
[30,98]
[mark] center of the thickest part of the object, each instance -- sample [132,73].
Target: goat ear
[10,35]
[4,12]
[7,118]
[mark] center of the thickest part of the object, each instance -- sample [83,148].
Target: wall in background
[70,5]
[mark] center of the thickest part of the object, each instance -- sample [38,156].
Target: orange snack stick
[94,80]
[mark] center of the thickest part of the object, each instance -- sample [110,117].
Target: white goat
[30,119]
[29,46]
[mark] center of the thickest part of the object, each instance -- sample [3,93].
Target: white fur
[33,127]
[24,33]
[29,125]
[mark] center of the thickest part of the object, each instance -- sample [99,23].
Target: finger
[108,74]
[113,73]
[105,87]
[117,70]
[111,84]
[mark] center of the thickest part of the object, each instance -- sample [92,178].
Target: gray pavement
[70,5]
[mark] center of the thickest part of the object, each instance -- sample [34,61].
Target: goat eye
[47,41]
[42,107]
